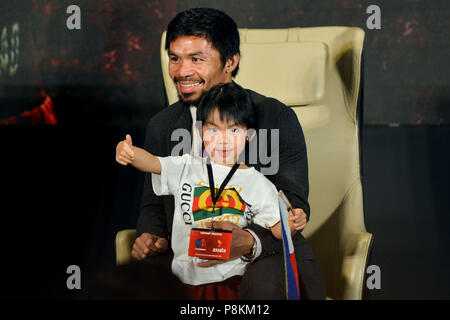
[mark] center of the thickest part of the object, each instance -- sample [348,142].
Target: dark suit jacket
[156,214]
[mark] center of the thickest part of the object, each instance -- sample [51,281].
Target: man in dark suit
[203,47]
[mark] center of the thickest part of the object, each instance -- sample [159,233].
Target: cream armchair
[317,72]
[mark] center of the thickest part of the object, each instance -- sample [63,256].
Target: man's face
[195,67]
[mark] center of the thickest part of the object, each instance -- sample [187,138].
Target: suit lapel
[182,121]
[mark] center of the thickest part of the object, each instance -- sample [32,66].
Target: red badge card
[210,244]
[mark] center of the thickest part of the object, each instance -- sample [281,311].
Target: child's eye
[235,130]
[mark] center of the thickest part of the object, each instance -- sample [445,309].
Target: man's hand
[148,245]
[241,242]
[297,218]
[124,151]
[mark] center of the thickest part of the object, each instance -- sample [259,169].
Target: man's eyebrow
[197,53]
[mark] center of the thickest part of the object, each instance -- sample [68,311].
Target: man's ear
[232,63]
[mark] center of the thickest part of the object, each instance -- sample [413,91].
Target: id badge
[209,243]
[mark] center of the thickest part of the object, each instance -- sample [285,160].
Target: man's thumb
[128,139]
[160,243]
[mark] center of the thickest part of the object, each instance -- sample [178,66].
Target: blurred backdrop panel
[109,70]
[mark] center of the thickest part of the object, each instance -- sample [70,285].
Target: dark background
[63,197]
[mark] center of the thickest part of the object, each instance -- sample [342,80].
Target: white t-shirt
[249,197]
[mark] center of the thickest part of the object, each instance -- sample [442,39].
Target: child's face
[223,140]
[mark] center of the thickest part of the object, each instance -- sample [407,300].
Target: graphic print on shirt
[229,202]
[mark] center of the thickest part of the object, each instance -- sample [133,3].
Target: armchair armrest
[354,267]
[124,243]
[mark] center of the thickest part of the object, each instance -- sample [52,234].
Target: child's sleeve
[172,169]
[268,213]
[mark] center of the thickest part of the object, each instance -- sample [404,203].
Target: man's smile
[188,86]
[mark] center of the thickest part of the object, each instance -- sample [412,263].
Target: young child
[226,113]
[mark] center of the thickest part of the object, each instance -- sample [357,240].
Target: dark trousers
[264,279]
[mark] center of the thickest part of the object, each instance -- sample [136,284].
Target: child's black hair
[233,103]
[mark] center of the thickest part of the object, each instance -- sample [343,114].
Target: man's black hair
[233,103]
[215,25]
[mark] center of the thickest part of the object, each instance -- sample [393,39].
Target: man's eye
[174,59]
[234,130]
[195,59]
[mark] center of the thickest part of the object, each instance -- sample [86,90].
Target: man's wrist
[255,250]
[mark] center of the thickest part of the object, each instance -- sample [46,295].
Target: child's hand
[124,151]
[297,219]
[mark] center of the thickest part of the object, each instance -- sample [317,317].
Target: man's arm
[292,176]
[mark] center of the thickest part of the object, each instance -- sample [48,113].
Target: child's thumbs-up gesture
[124,151]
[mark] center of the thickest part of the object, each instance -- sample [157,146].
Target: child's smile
[224,140]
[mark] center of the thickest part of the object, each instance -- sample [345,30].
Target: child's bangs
[232,102]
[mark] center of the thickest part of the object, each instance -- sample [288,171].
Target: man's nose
[185,69]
